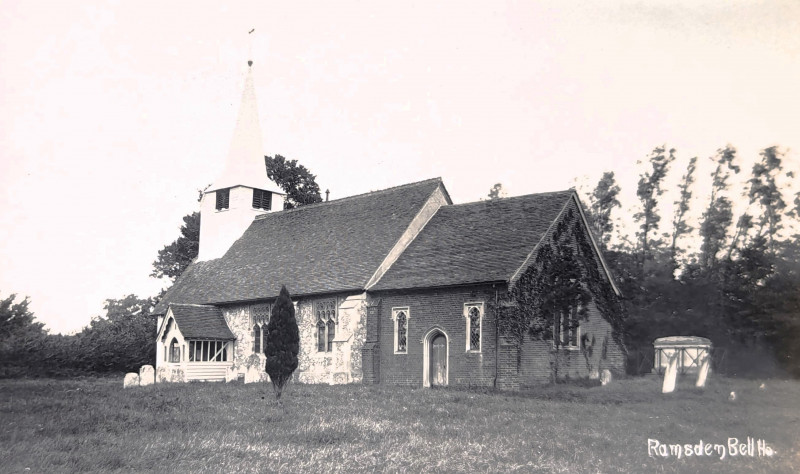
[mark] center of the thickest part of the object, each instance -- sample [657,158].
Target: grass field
[94,425]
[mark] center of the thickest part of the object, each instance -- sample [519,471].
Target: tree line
[731,277]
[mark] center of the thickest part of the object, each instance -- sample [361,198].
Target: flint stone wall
[343,363]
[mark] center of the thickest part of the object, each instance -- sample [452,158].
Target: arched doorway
[435,358]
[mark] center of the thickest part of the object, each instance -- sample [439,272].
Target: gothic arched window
[174,351]
[400,317]
[331,333]
[257,339]
[259,318]
[473,312]
[325,311]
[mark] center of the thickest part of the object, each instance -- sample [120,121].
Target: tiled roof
[201,322]
[319,248]
[482,241]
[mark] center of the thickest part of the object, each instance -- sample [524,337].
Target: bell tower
[243,190]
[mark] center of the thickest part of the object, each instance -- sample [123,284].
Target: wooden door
[438,359]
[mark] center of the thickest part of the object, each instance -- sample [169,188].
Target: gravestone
[177,374]
[254,365]
[162,374]
[131,380]
[232,374]
[705,364]
[147,376]
[671,374]
[605,377]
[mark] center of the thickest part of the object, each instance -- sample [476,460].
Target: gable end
[585,223]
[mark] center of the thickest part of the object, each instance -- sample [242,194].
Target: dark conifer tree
[282,342]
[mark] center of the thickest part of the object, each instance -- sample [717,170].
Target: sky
[113,114]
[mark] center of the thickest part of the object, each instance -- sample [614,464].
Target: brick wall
[538,356]
[442,309]
[507,373]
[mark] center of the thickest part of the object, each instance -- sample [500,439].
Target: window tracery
[259,316]
[401,318]
[473,313]
[325,311]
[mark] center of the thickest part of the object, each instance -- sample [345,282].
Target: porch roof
[201,322]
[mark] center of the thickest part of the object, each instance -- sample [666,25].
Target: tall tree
[20,335]
[648,191]
[603,201]
[283,342]
[300,185]
[16,318]
[122,339]
[719,214]
[680,226]
[743,226]
[765,192]
[174,258]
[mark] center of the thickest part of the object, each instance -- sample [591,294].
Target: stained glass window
[473,313]
[474,328]
[401,318]
[401,332]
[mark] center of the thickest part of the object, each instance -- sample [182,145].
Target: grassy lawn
[94,425]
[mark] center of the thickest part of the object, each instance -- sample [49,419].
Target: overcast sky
[113,114]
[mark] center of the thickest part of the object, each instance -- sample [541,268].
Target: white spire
[245,165]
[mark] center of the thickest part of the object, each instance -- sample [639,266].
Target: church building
[398,286]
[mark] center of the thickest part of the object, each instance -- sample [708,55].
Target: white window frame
[395,312]
[562,334]
[207,349]
[467,307]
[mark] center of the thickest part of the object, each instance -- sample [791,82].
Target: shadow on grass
[621,391]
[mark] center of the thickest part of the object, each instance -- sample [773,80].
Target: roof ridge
[505,199]
[350,198]
[192,304]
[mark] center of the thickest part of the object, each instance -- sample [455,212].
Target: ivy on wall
[563,276]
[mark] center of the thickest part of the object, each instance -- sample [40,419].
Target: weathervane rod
[250,47]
